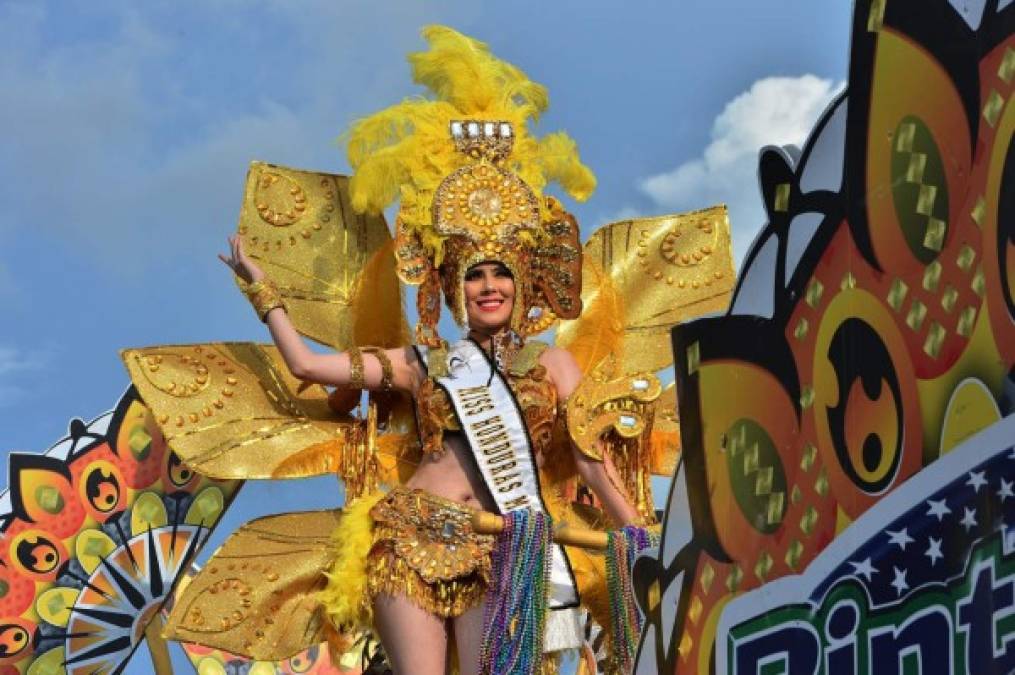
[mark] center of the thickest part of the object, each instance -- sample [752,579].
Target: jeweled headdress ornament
[469,178]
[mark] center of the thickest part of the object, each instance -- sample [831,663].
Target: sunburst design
[124,590]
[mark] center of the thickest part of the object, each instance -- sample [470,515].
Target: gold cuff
[387,372]
[264,296]
[356,379]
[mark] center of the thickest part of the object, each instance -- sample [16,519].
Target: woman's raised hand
[239,263]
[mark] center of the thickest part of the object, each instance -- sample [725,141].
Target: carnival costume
[469,178]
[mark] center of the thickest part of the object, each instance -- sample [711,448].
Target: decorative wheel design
[108,615]
[94,534]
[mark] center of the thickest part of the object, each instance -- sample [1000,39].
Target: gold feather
[596,338]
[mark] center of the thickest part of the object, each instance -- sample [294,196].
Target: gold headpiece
[469,177]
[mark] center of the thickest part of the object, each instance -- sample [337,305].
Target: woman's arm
[600,476]
[336,369]
[304,363]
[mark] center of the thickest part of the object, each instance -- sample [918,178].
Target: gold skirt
[424,549]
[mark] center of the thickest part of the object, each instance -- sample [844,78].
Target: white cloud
[623,213]
[774,111]
[89,164]
[13,360]
[16,366]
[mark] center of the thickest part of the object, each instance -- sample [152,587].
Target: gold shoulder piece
[621,405]
[527,357]
[437,362]
[656,272]
[232,410]
[256,596]
[334,268]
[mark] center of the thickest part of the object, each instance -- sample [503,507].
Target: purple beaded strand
[516,601]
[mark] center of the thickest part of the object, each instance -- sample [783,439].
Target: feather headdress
[473,125]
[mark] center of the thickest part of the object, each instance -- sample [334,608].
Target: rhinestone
[639,385]
[489,128]
[473,129]
[627,421]
[505,130]
[457,131]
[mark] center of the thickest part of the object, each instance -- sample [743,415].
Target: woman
[411,635]
[475,228]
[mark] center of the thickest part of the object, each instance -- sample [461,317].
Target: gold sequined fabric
[258,594]
[536,394]
[426,550]
[537,397]
[435,415]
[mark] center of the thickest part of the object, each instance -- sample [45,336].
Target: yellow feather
[405,151]
[596,338]
[556,153]
[343,598]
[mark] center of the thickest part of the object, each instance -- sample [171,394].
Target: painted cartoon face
[877,301]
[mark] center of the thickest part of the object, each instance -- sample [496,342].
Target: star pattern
[930,542]
[976,480]
[934,550]
[1005,490]
[864,568]
[939,509]
[968,518]
[900,538]
[899,582]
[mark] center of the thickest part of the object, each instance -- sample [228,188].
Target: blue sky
[128,128]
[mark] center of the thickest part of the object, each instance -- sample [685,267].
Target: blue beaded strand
[516,601]
[622,549]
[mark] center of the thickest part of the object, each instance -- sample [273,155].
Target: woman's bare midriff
[453,475]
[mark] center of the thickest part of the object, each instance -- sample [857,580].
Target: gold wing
[256,595]
[639,279]
[649,274]
[334,267]
[233,410]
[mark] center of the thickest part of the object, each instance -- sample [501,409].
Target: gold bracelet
[264,296]
[356,379]
[387,372]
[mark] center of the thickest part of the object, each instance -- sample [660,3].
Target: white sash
[492,422]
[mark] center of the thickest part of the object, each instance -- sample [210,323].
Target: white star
[1006,490]
[899,582]
[934,550]
[901,537]
[968,518]
[976,480]
[939,509]
[864,569]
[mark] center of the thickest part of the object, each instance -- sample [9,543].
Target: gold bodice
[535,393]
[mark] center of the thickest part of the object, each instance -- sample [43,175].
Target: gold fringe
[388,573]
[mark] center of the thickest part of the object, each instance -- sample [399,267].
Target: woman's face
[489,295]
